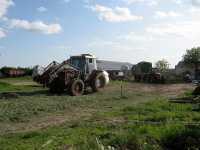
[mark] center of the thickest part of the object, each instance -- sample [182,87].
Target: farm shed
[183,69]
[116,70]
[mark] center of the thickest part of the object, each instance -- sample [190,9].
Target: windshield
[77,62]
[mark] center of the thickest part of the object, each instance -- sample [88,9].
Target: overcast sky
[39,31]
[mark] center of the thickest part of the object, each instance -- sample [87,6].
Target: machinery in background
[73,75]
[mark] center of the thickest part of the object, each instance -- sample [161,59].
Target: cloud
[195,2]
[4,5]
[67,1]
[114,46]
[188,30]
[2,33]
[136,37]
[178,1]
[118,14]
[42,9]
[170,14]
[36,26]
[185,29]
[148,2]
[133,1]
[151,2]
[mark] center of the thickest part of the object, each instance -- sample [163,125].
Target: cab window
[77,62]
[90,60]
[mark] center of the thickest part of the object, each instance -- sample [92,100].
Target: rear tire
[77,88]
[98,83]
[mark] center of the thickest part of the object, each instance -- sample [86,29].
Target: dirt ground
[168,90]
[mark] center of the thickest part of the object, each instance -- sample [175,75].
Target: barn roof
[112,65]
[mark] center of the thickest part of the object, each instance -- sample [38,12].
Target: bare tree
[162,65]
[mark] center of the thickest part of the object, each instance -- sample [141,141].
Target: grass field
[140,119]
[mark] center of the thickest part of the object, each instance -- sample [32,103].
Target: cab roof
[85,56]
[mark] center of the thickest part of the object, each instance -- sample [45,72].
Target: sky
[36,32]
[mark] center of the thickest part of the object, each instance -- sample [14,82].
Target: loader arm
[63,66]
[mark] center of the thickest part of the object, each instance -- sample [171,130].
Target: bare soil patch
[168,90]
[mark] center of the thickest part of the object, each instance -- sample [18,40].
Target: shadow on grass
[46,92]
[34,93]
[15,95]
[35,90]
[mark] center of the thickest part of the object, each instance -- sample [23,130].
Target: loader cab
[86,63]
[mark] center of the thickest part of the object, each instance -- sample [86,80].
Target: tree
[28,71]
[192,58]
[162,65]
[5,69]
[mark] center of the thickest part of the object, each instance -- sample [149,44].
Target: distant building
[14,73]
[116,70]
[183,69]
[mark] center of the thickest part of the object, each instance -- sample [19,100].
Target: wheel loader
[75,75]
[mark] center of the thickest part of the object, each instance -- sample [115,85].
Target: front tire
[77,88]
[98,83]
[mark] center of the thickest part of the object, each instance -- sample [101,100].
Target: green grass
[18,79]
[158,111]
[21,84]
[138,120]
[5,86]
[126,134]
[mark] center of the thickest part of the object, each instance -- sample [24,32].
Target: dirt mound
[8,95]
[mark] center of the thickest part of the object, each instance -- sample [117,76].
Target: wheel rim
[100,82]
[78,88]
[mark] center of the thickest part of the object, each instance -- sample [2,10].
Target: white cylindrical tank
[106,75]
